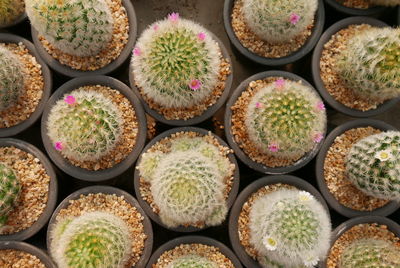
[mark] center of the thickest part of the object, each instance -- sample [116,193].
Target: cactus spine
[10,189]
[279,21]
[192,261]
[388,3]
[370,65]
[76,27]
[10,10]
[373,165]
[289,228]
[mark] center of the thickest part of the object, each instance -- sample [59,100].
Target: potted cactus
[23,255]
[83,37]
[355,66]
[275,122]
[94,128]
[357,168]
[186,179]
[274,32]
[181,71]
[12,12]
[25,84]
[99,226]
[280,221]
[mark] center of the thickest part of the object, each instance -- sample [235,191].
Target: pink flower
[195,84]
[201,36]
[70,99]
[318,137]
[137,51]
[259,105]
[174,17]
[294,18]
[279,83]
[273,147]
[320,106]
[155,27]
[58,145]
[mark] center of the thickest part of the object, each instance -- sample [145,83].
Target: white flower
[311,261]
[305,196]
[383,155]
[270,243]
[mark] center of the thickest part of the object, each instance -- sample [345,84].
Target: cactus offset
[176,63]
[11,79]
[76,27]
[92,240]
[289,228]
[10,189]
[370,65]
[370,252]
[373,165]
[387,3]
[192,261]
[279,21]
[285,119]
[85,125]
[10,10]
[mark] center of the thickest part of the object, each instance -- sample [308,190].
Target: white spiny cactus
[192,261]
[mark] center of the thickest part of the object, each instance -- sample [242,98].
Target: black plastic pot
[21,246]
[300,184]
[342,228]
[398,15]
[319,170]
[197,119]
[68,71]
[315,68]
[146,207]
[194,240]
[307,47]
[148,245]
[52,194]
[14,130]
[238,151]
[372,11]
[18,20]
[104,174]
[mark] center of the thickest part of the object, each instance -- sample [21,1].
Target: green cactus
[10,190]
[370,253]
[92,240]
[279,21]
[10,10]
[388,3]
[285,119]
[373,165]
[176,62]
[79,28]
[11,79]
[85,125]
[370,64]
[192,261]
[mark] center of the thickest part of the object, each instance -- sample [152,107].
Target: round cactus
[78,27]
[176,62]
[10,10]
[85,125]
[192,261]
[10,189]
[388,3]
[92,240]
[285,119]
[370,64]
[279,21]
[370,252]
[11,79]
[290,228]
[373,165]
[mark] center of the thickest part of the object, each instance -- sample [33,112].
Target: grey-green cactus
[11,79]
[388,3]
[10,190]
[373,165]
[192,261]
[10,10]
[279,21]
[80,27]
[370,64]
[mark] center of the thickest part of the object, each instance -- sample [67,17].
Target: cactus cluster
[289,228]
[12,83]
[176,62]
[79,27]
[85,125]
[10,189]
[192,261]
[285,119]
[92,240]
[388,3]
[370,64]
[370,252]
[373,165]
[279,21]
[10,10]
[187,183]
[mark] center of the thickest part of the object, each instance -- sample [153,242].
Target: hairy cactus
[192,261]
[373,165]
[279,21]
[9,191]
[10,10]
[176,62]
[285,119]
[370,252]
[11,79]
[187,183]
[289,227]
[92,240]
[85,125]
[76,27]
[370,65]
[387,3]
